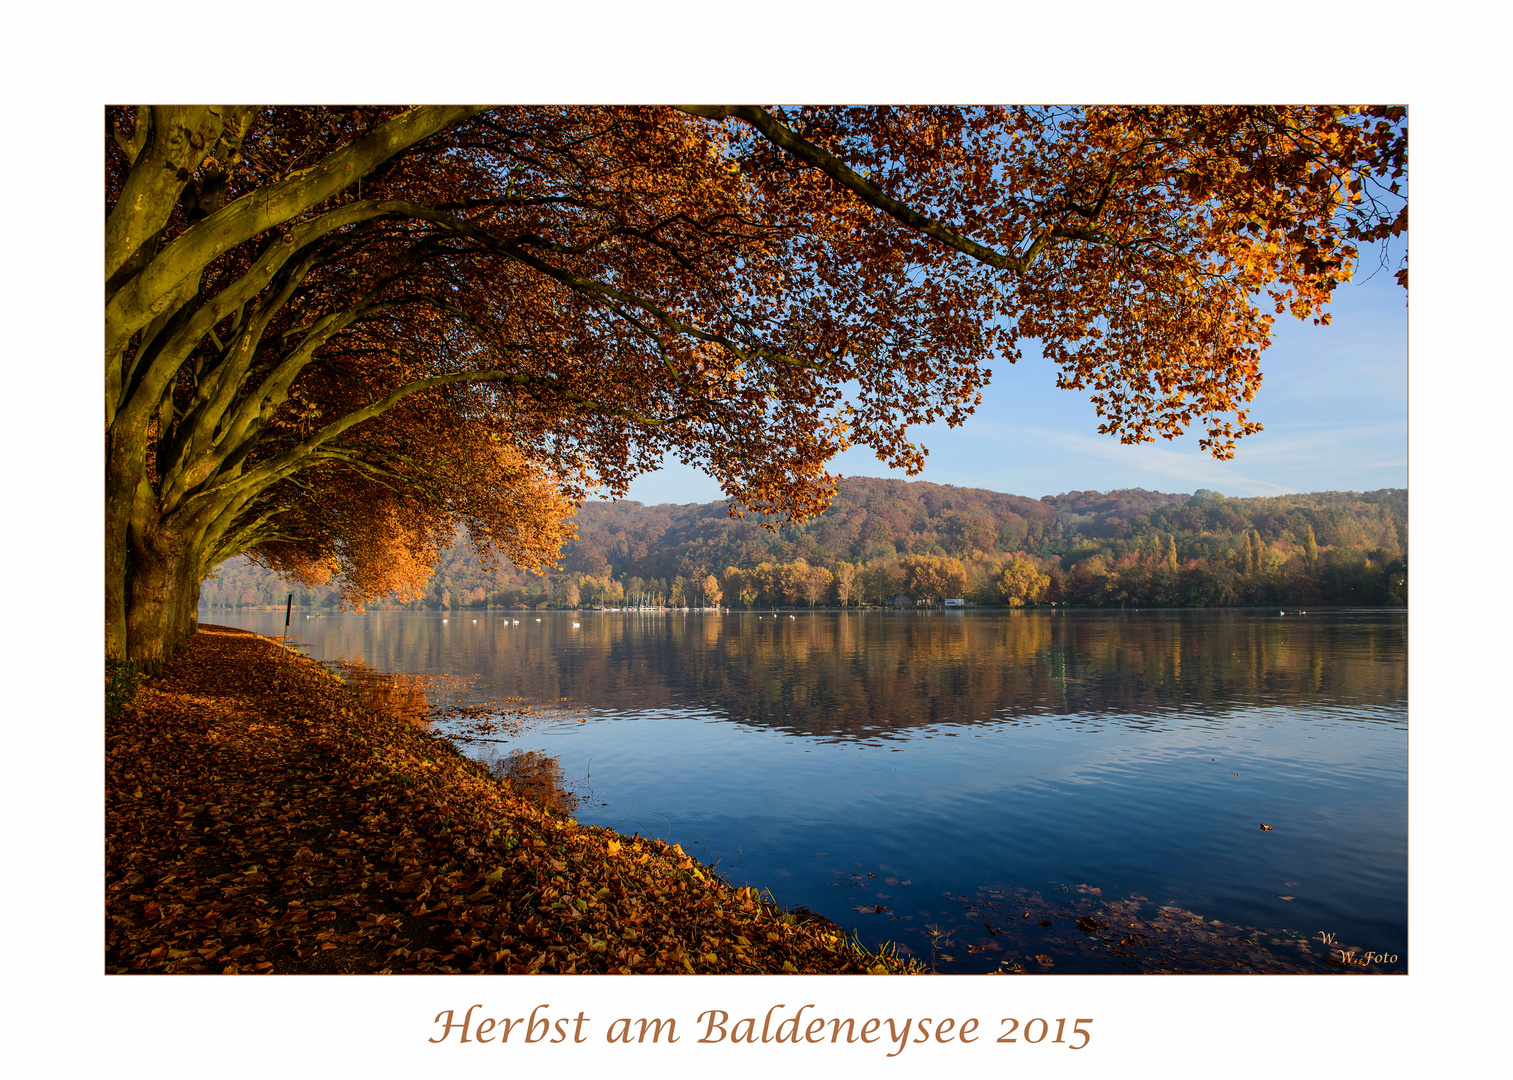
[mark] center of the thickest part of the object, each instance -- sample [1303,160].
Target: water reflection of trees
[397,693]
[416,697]
[537,777]
[866,674]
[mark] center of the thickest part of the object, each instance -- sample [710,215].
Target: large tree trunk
[117,522]
[162,592]
[153,624]
[153,557]
[128,495]
[187,609]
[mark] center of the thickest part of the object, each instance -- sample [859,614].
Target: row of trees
[872,519]
[1123,548]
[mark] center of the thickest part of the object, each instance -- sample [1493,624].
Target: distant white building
[955,601]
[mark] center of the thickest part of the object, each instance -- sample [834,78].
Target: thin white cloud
[1028,459]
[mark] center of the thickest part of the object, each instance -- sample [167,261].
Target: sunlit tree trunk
[154,619]
[123,462]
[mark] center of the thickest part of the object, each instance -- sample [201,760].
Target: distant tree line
[891,541]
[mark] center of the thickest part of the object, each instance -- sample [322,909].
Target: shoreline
[260,820]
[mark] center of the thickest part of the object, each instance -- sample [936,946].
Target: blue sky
[1334,406]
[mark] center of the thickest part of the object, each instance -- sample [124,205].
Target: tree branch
[841,173]
[137,302]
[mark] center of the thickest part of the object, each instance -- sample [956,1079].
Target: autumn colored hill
[881,538]
[261,819]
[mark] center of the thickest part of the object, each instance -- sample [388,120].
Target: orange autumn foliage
[333,335]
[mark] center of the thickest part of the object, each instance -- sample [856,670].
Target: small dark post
[288,609]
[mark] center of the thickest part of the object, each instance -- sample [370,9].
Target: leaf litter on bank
[260,818]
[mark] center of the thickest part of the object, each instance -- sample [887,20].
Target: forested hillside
[885,539]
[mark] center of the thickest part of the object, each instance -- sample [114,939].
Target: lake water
[988,790]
